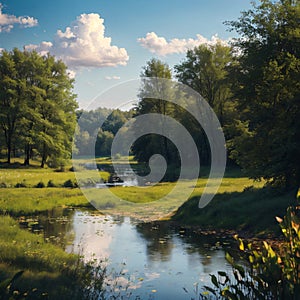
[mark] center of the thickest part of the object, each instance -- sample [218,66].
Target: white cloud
[112,77]
[160,46]
[7,22]
[84,44]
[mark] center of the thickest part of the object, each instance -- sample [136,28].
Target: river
[146,260]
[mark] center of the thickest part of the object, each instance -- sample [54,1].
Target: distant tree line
[92,140]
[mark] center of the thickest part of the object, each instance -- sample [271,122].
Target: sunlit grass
[31,177]
[28,201]
[27,250]
[144,202]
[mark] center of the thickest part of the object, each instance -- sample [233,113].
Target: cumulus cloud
[7,22]
[162,47]
[84,44]
[112,77]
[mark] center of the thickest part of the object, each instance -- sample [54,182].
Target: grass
[146,203]
[49,272]
[240,205]
[26,201]
[32,176]
[252,211]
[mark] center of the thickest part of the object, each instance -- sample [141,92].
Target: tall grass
[252,211]
[49,272]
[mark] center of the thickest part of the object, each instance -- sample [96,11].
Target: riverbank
[33,268]
[240,207]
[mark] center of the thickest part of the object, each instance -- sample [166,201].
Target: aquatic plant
[271,274]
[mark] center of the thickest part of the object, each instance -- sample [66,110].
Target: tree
[150,144]
[11,98]
[114,121]
[37,105]
[57,106]
[267,86]
[205,69]
[103,143]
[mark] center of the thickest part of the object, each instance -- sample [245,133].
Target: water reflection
[151,260]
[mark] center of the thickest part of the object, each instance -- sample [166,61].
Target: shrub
[51,183]
[41,184]
[272,275]
[22,184]
[70,184]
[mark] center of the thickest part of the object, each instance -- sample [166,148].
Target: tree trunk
[8,154]
[44,156]
[27,155]
[8,146]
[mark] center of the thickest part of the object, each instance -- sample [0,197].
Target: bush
[70,184]
[22,184]
[41,184]
[51,184]
[271,275]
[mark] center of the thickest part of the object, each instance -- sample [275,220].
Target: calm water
[149,260]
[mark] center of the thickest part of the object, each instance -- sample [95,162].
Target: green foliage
[22,184]
[70,184]
[37,105]
[267,88]
[26,201]
[48,272]
[271,274]
[150,144]
[41,184]
[251,210]
[205,69]
[51,183]
[97,129]
[103,143]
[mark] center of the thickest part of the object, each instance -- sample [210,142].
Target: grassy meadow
[240,205]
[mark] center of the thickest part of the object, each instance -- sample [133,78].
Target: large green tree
[150,144]
[12,97]
[267,86]
[37,105]
[205,69]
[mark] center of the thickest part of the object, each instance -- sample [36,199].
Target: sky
[107,42]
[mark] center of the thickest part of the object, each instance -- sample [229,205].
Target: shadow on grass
[252,211]
[18,165]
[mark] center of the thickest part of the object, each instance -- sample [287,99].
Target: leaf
[240,269]
[7,282]
[17,275]
[229,295]
[295,226]
[214,280]
[241,244]
[210,289]
[229,258]
[251,259]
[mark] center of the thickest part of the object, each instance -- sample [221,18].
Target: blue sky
[135,31]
